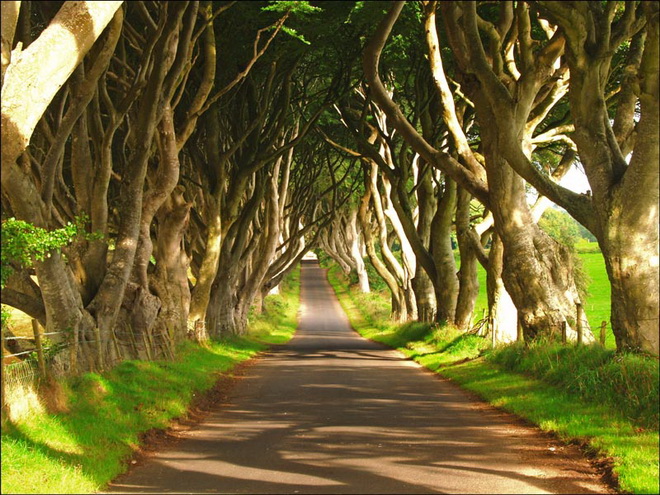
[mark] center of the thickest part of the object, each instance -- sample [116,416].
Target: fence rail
[26,365]
[484,327]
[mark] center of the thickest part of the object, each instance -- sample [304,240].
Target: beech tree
[208,146]
[108,294]
[619,152]
[536,271]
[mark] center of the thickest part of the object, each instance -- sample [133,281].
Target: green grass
[81,450]
[606,402]
[603,432]
[597,305]
[626,382]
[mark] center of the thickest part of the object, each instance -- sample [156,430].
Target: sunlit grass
[605,401]
[82,450]
[597,305]
[605,431]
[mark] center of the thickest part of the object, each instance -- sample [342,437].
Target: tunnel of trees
[165,164]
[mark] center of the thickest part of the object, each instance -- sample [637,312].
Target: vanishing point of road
[331,412]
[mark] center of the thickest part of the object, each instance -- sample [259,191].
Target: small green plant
[6,315]
[24,243]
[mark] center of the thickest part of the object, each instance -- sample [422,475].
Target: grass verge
[606,402]
[82,449]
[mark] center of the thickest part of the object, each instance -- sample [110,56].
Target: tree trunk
[502,313]
[356,253]
[408,259]
[201,293]
[170,278]
[397,312]
[166,178]
[625,196]
[422,285]
[468,283]
[446,286]
[267,241]
[537,272]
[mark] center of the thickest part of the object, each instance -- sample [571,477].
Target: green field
[597,305]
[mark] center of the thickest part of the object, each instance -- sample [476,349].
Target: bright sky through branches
[576,180]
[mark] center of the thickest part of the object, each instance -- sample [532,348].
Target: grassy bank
[604,401]
[82,449]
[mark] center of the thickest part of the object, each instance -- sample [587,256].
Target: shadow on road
[331,412]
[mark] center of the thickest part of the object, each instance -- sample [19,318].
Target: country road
[331,412]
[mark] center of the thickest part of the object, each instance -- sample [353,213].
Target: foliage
[566,230]
[24,244]
[6,316]
[297,7]
[324,258]
[560,226]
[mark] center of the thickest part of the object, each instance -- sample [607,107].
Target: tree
[536,272]
[29,83]
[560,226]
[622,212]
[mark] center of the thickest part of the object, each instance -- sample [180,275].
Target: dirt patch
[158,439]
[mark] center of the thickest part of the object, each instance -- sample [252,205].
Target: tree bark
[353,239]
[468,283]
[170,278]
[33,77]
[502,312]
[446,285]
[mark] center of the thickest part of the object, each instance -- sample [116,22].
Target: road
[331,412]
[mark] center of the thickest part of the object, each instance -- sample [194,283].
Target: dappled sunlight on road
[330,412]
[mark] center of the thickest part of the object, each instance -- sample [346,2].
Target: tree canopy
[205,147]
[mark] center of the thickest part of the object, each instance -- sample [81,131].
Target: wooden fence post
[99,348]
[491,324]
[131,336]
[603,329]
[114,340]
[146,346]
[73,351]
[4,407]
[150,340]
[563,332]
[170,340]
[580,329]
[40,349]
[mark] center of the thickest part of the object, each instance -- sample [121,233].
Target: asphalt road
[331,412]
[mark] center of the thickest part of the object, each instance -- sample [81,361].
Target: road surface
[331,412]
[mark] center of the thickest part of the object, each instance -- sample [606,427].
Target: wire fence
[28,360]
[484,327]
